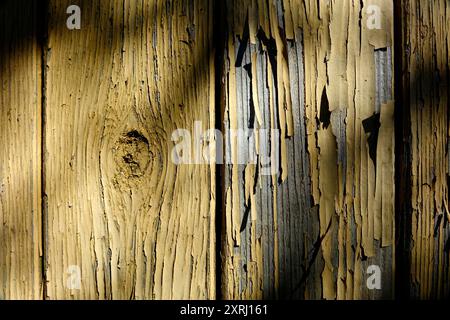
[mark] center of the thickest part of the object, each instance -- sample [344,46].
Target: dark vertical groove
[402,155]
[219,49]
[41,9]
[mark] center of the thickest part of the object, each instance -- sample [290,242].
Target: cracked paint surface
[325,81]
[426,43]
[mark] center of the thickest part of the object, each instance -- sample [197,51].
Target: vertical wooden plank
[426,64]
[118,209]
[320,76]
[271,225]
[20,151]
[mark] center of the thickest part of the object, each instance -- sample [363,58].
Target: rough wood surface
[135,224]
[426,66]
[87,178]
[20,152]
[316,73]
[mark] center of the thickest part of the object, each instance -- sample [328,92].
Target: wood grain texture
[136,225]
[317,74]
[20,152]
[426,66]
[308,184]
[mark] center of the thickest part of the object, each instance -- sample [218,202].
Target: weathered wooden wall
[20,151]
[316,73]
[425,75]
[305,198]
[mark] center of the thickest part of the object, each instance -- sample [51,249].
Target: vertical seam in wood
[218,40]
[43,43]
[402,159]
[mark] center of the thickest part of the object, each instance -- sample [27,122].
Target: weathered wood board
[20,151]
[118,210]
[426,75]
[321,75]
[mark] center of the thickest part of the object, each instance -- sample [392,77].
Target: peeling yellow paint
[343,88]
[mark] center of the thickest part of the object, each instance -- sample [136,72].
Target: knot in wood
[132,154]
